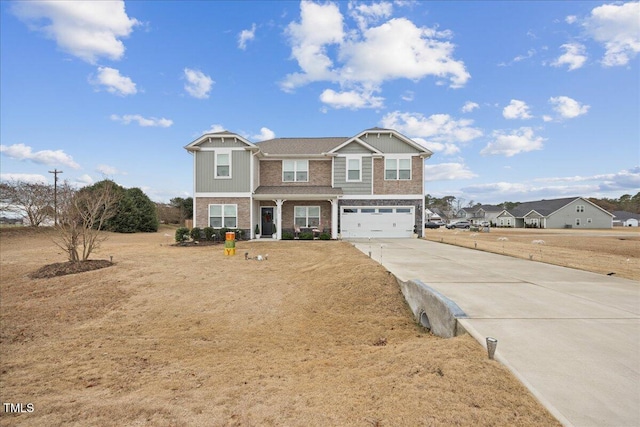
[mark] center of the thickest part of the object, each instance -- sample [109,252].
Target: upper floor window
[223,164]
[295,170]
[354,168]
[223,216]
[579,208]
[397,168]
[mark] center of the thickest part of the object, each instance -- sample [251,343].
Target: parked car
[431,225]
[485,224]
[460,224]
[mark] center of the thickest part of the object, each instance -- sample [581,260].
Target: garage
[376,221]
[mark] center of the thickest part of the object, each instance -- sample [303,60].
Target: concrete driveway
[572,337]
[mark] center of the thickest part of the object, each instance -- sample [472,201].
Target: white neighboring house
[626,219]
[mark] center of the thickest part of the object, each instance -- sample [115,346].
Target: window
[307,216]
[295,170]
[579,208]
[223,216]
[577,221]
[354,169]
[589,221]
[223,164]
[385,210]
[397,168]
[403,210]
[368,210]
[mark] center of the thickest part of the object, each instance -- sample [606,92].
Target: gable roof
[548,207]
[624,215]
[194,145]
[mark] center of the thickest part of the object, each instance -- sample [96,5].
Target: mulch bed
[64,268]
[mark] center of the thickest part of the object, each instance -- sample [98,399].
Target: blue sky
[517,100]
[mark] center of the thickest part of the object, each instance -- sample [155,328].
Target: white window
[577,221]
[579,208]
[397,168]
[354,168]
[295,170]
[223,164]
[223,216]
[589,221]
[307,216]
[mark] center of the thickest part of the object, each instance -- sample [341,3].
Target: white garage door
[372,221]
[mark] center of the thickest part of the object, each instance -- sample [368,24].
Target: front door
[267,220]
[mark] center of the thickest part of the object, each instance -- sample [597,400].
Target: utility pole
[55,173]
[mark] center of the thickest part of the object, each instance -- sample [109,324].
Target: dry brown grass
[318,334]
[615,250]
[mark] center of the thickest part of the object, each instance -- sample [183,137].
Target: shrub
[196,233]
[222,233]
[287,235]
[306,236]
[325,236]
[209,233]
[182,234]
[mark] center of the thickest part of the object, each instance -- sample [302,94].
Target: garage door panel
[377,222]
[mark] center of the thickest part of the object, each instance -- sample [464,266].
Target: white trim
[306,207]
[397,158]
[357,140]
[346,164]
[221,148]
[222,195]
[381,196]
[219,152]
[295,169]
[222,216]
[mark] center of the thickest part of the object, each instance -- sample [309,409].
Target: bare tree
[83,214]
[33,201]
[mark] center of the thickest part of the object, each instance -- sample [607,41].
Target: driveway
[572,337]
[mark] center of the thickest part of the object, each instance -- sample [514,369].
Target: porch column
[334,218]
[279,203]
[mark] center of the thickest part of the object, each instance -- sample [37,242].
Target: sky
[518,101]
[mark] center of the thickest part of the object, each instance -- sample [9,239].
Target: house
[573,212]
[433,215]
[625,219]
[481,213]
[367,185]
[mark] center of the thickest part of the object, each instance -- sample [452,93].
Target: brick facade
[319,173]
[288,213]
[412,186]
[244,210]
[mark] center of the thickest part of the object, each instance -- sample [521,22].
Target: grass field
[317,334]
[608,251]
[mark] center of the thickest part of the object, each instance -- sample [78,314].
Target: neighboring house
[433,215]
[574,212]
[368,185]
[626,219]
[481,213]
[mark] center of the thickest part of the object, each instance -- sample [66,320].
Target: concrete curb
[432,309]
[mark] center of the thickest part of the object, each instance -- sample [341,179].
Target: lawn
[316,334]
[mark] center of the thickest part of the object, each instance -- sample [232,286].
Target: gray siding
[387,144]
[205,173]
[340,173]
[354,148]
[567,216]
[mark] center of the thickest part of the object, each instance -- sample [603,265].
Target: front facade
[369,185]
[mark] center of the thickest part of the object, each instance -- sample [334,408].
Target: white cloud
[32,178]
[245,36]
[265,134]
[516,110]
[86,29]
[367,14]
[409,52]
[445,148]
[469,107]
[142,121]
[568,108]
[114,82]
[570,19]
[408,96]
[198,84]
[530,54]
[574,56]
[622,180]
[437,127]
[351,99]
[447,171]
[215,128]
[109,170]
[45,157]
[509,144]
[84,180]
[617,27]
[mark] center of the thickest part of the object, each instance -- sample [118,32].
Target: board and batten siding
[240,176]
[352,187]
[388,144]
[219,142]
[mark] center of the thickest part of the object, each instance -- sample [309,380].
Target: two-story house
[368,185]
